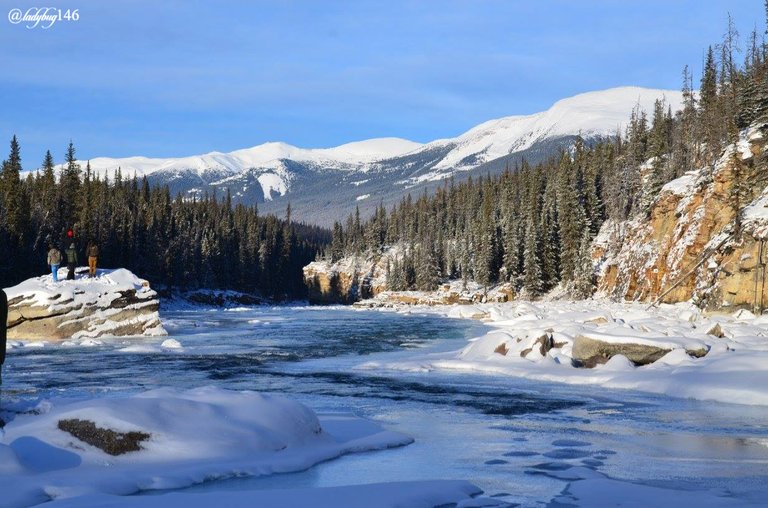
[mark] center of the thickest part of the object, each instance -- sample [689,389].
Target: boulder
[115,303]
[544,342]
[108,440]
[591,351]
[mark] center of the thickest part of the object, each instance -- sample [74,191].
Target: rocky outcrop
[116,303]
[698,243]
[363,280]
[350,279]
[455,292]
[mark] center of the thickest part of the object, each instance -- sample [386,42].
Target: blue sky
[173,78]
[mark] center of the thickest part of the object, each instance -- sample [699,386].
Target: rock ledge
[115,303]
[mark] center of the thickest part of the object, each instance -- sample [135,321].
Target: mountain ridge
[324,184]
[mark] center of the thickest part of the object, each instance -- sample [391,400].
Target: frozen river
[510,437]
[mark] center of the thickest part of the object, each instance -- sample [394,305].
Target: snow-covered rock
[591,349]
[114,303]
[690,247]
[190,437]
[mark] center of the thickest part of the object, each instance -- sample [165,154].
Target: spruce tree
[532,277]
[70,188]
[708,100]
[15,205]
[584,276]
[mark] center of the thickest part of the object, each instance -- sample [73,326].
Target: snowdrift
[675,350]
[194,436]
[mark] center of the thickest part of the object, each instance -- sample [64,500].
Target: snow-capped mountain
[264,156]
[591,114]
[325,184]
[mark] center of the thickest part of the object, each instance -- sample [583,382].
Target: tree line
[174,242]
[533,226]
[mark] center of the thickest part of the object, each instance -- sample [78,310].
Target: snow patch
[195,436]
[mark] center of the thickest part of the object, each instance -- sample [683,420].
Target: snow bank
[114,303]
[195,436]
[535,341]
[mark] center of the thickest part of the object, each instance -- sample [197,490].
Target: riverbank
[718,357]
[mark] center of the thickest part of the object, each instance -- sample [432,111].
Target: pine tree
[708,99]
[70,187]
[584,275]
[532,278]
[15,204]
[658,147]
[337,243]
[572,219]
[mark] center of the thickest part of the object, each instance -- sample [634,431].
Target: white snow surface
[602,112]
[735,369]
[108,281]
[196,435]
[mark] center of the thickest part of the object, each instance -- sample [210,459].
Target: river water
[508,436]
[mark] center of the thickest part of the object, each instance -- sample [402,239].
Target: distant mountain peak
[599,113]
[324,184]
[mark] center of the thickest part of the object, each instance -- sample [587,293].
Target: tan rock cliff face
[348,280]
[690,246]
[363,279]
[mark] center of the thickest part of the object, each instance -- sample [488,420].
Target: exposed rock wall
[116,303]
[690,247]
[363,279]
[349,279]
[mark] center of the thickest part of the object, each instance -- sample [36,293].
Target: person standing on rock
[92,252]
[54,260]
[71,254]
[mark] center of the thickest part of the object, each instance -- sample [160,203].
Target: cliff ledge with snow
[114,303]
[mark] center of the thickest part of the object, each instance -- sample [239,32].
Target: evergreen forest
[533,226]
[173,242]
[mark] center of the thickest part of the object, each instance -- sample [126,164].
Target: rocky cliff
[115,303]
[349,279]
[704,239]
[363,279]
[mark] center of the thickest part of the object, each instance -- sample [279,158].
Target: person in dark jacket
[71,255]
[3,330]
[92,252]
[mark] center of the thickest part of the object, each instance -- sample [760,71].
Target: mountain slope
[325,184]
